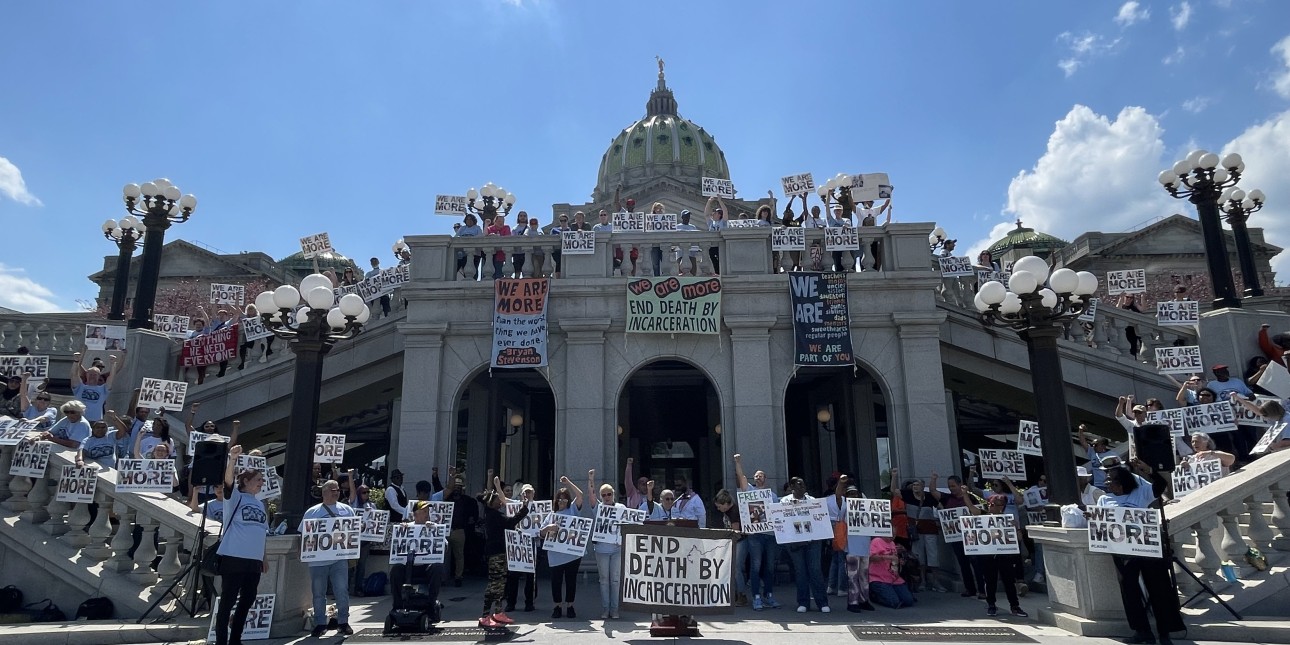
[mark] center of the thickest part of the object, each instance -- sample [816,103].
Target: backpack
[374,585]
[96,609]
[10,599]
[49,613]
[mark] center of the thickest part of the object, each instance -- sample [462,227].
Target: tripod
[192,574]
[1173,577]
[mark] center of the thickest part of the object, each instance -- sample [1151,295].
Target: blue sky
[289,118]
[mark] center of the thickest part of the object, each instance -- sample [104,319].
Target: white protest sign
[172,326]
[1179,360]
[376,523]
[997,464]
[258,621]
[632,516]
[1191,476]
[952,267]
[1172,417]
[660,222]
[1036,496]
[625,222]
[228,294]
[1124,531]
[531,524]
[604,526]
[800,184]
[77,484]
[13,431]
[754,517]
[253,328]
[681,569]
[1248,417]
[521,557]
[714,187]
[272,486]
[1178,313]
[325,539]
[572,535]
[1028,441]
[426,543]
[1126,281]
[841,238]
[870,517]
[951,529]
[329,448]
[37,367]
[1034,518]
[868,187]
[803,520]
[1090,311]
[741,223]
[105,337]
[1272,435]
[454,205]
[788,239]
[145,475]
[439,512]
[161,394]
[1276,380]
[315,244]
[1209,418]
[989,535]
[577,242]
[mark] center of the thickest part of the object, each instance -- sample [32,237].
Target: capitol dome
[663,144]
[1037,243]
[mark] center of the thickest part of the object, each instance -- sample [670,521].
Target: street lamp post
[1238,206]
[838,189]
[1035,311]
[492,198]
[312,330]
[125,234]
[1200,178]
[159,203]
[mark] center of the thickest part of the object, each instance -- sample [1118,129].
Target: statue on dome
[660,66]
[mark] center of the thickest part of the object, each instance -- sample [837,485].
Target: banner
[329,448]
[172,326]
[1090,311]
[37,367]
[228,294]
[674,306]
[454,205]
[952,267]
[376,523]
[577,242]
[426,543]
[1191,476]
[870,517]
[105,337]
[714,187]
[259,621]
[870,187]
[1276,380]
[788,239]
[951,528]
[1172,417]
[145,475]
[30,458]
[989,535]
[821,321]
[754,517]
[13,431]
[800,521]
[625,222]
[77,484]
[539,512]
[1126,281]
[741,223]
[160,394]
[1028,441]
[521,557]
[801,184]
[1209,418]
[1179,360]
[686,570]
[660,222]
[211,349]
[254,329]
[1178,313]
[1125,531]
[326,539]
[997,464]
[1272,435]
[572,535]
[519,322]
[315,244]
[841,238]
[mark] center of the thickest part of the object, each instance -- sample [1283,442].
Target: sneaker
[757,604]
[558,612]
[604,615]
[830,591]
[502,619]
[318,631]
[614,615]
[992,611]
[825,609]
[570,613]
[487,622]
[771,602]
[855,609]
[331,623]
[1019,612]
[801,609]
[349,631]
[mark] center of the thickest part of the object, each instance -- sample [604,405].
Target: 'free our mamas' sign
[329,448]
[1126,281]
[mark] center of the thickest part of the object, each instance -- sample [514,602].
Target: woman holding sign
[564,567]
[996,567]
[241,550]
[608,564]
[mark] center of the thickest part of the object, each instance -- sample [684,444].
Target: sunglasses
[606,494]
[42,398]
[668,497]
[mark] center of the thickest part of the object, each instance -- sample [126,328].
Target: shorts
[927,549]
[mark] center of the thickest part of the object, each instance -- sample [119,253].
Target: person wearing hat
[495,526]
[693,254]
[515,578]
[1089,494]
[396,498]
[335,572]
[857,557]
[998,567]
[1096,450]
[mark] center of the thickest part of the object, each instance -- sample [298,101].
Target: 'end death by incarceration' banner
[1125,531]
[674,306]
[519,322]
[821,322]
[212,348]
[686,570]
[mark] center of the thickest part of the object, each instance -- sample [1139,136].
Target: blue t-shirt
[555,558]
[93,396]
[100,449]
[604,547]
[76,431]
[319,511]
[246,527]
[1141,497]
[1232,384]
[47,417]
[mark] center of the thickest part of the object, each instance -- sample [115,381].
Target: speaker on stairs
[209,459]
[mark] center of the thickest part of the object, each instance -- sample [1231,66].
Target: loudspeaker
[209,460]
[1155,446]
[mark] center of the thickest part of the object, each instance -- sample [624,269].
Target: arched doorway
[668,415]
[835,419]
[506,422]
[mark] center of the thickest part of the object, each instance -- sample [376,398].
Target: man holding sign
[992,538]
[335,571]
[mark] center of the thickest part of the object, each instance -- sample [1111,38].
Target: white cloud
[1265,148]
[1281,80]
[1176,57]
[1197,104]
[1097,174]
[12,185]
[1131,12]
[1180,15]
[1083,47]
[17,291]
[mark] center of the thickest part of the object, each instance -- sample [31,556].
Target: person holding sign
[495,526]
[433,574]
[609,565]
[515,578]
[763,551]
[38,408]
[1203,448]
[857,556]
[91,387]
[886,587]
[70,430]
[241,550]
[806,558]
[716,224]
[498,227]
[869,217]
[729,512]
[564,567]
[470,229]
[999,566]
[99,447]
[335,572]
[961,496]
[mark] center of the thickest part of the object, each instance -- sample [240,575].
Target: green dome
[304,266]
[1041,244]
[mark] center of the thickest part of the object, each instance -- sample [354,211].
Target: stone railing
[47,334]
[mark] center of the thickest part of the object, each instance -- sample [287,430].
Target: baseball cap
[1218,367]
[1139,408]
[685,212]
[852,489]
[396,473]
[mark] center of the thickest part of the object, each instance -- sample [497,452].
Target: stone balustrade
[46,334]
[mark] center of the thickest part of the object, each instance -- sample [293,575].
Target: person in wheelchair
[415,587]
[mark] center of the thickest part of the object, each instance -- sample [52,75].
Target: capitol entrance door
[667,415]
[506,422]
[835,420]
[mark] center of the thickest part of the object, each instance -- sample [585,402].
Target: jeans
[610,568]
[337,573]
[741,565]
[656,256]
[497,268]
[359,572]
[239,580]
[807,574]
[762,552]
[837,578]
[889,595]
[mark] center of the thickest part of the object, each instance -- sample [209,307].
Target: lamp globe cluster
[129,227]
[316,292]
[1060,291]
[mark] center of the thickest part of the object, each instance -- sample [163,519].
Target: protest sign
[870,517]
[788,239]
[1028,441]
[77,484]
[754,517]
[30,458]
[1209,418]
[105,337]
[577,242]
[253,329]
[951,530]
[326,539]
[259,621]
[1036,496]
[171,325]
[800,184]
[196,437]
[145,475]
[1172,417]
[439,512]
[376,523]
[426,543]
[997,464]
[160,394]
[674,306]
[1273,434]
[211,349]
[741,223]
[452,205]
[686,570]
[660,222]
[952,267]
[625,222]
[1248,417]
[1126,281]
[1191,476]
[800,520]
[604,526]
[315,245]
[12,430]
[521,557]
[272,486]
[519,322]
[632,516]
[1090,311]
[36,367]
[228,294]
[1178,313]
[1276,380]
[714,187]
[329,448]
[1035,518]
[532,523]
[989,535]
[870,187]
[1125,531]
[821,322]
[571,537]
[841,238]
[1179,360]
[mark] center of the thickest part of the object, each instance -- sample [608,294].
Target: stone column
[1081,585]
[149,355]
[755,431]
[288,578]
[924,406]
[585,437]
[421,443]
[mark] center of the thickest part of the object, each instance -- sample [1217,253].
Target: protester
[609,565]
[156,433]
[498,227]
[999,566]
[1096,451]
[70,430]
[693,254]
[470,229]
[635,487]
[196,497]
[564,567]
[98,447]
[517,254]
[539,254]
[1203,448]
[402,572]
[763,551]
[37,408]
[241,550]
[562,224]
[11,399]
[857,557]
[835,577]
[923,529]
[385,298]
[886,587]
[869,217]
[961,496]
[1089,494]
[689,505]
[839,219]
[729,512]
[90,387]
[806,558]
[716,223]
[266,344]
[361,502]
[495,526]
[1273,412]
[465,514]
[516,579]
[396,499]
[335,572]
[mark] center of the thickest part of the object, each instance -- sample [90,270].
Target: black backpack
[10,599]
[96,609]
[49,613]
